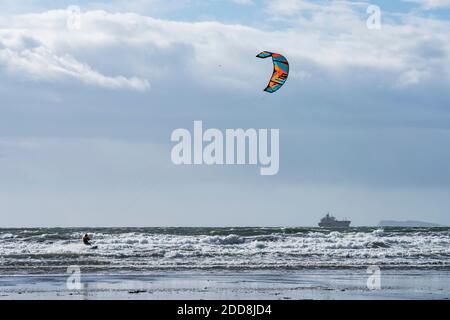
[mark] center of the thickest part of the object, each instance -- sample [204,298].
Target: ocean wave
[225,248]
[227,240]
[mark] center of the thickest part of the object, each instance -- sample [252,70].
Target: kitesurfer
[86,239]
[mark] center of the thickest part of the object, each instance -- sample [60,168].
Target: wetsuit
[86,241]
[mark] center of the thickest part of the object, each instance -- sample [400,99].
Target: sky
[87,111]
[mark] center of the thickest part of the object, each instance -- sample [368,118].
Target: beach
[261,285]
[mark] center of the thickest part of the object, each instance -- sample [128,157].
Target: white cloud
[333,37]
[243,2]
[290,7]
[29,48]
[431,4]
[41,63]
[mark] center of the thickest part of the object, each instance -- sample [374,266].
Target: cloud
[41,63]
[243,2]
[333,37]
[290,7]
[431,4]
[30,55]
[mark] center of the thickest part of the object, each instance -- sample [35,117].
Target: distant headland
[408,223]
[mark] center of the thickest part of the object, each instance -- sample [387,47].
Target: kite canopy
[280,70]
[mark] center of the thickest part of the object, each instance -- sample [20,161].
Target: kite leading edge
[280,70]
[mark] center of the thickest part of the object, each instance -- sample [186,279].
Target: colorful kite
[280,70]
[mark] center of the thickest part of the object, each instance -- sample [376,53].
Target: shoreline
[225,285]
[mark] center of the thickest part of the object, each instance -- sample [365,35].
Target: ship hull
[335,224]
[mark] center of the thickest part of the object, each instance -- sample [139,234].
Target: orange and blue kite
[280,70]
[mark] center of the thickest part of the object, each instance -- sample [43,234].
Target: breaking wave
[34,250]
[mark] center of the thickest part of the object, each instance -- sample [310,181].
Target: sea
[52,250]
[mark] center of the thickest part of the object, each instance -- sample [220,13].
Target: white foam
[226,240]
[378,232]
[202,251]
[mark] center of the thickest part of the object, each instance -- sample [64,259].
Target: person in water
[86,239]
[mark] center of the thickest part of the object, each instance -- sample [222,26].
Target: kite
[280,70]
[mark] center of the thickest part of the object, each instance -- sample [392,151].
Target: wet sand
[260,285]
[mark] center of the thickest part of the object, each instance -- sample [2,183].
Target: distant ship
[330,222]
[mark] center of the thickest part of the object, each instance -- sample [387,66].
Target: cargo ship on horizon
[331,222]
